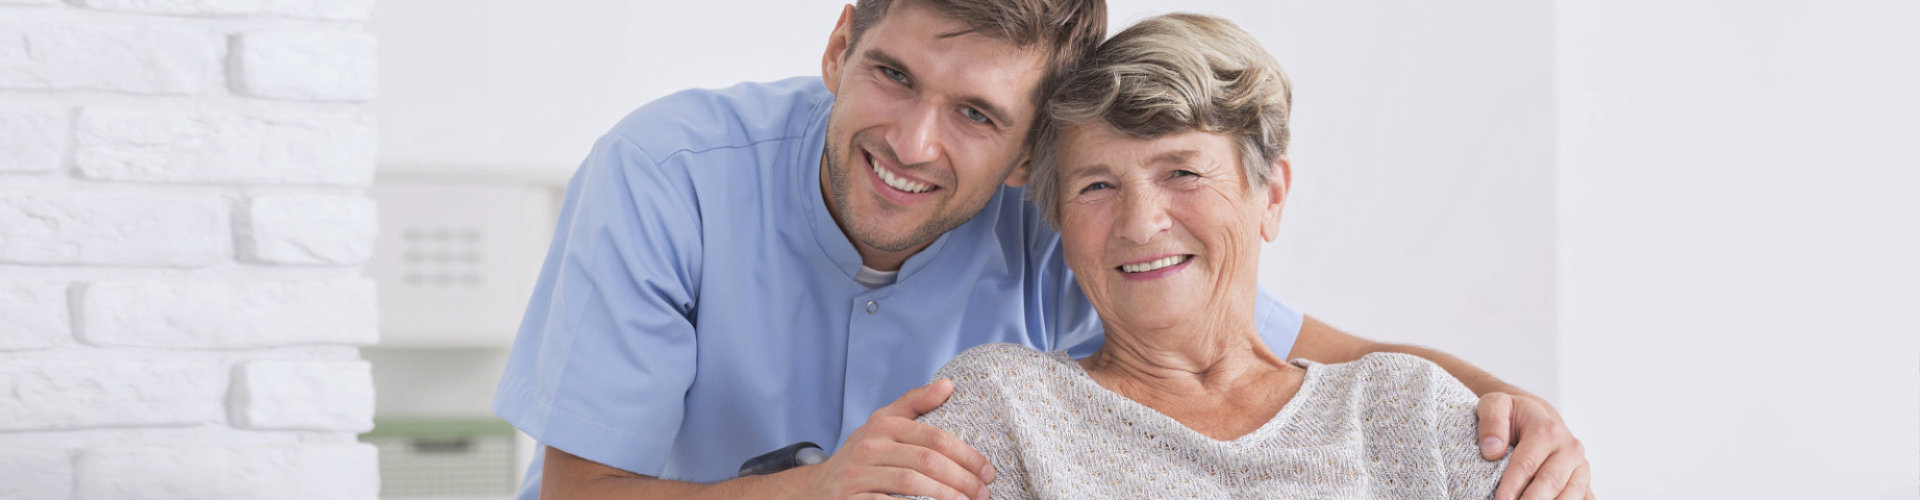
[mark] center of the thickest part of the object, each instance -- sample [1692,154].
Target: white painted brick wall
[33,316]
[305,395]
[36,395]
[229,314]
[357,10]
[32,140]
[279,472]
[140,58]
[115,229]
[29,474]
[310,229]
[183,219]
[228,148]
[307,66]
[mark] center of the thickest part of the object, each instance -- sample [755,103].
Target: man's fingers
[934,395]
[918,401]
[899,481]
[1578,485]
[1521,467]
[1553,477]
[933,465]
[1496,425]
[949,446]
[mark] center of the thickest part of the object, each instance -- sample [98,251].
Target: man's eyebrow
[885,59]
[993,111]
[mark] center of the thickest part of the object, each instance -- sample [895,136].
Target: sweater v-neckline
[1143,412]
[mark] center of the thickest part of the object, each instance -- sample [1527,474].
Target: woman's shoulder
[1390,378]
[1389,367]
[1000,361]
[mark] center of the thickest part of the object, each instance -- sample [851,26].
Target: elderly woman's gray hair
[1170,74]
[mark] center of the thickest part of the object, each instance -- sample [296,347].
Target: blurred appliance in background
[457,255]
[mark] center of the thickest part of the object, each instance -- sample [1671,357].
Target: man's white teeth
[899,183]
[1160,263]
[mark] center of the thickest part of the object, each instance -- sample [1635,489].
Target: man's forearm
[575,477]
[778,485]
[1321,342]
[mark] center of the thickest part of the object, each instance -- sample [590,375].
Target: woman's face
[1163,231]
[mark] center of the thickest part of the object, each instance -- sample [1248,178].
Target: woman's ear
[837,45]
[1278,181]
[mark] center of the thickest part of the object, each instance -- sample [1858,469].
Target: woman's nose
[1143,216]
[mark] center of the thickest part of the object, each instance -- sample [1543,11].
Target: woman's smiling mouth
[1155,268]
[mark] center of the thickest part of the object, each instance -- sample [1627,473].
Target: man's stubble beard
[841,187]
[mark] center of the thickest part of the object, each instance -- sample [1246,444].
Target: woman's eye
[976,116]
[1095,187]
[1184,173]
[891,74]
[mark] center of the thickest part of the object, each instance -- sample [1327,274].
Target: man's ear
[1279,180]
[1020,172]
[837,45]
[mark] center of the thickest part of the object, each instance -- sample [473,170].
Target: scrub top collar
[833,242]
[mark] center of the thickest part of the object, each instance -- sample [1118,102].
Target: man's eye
[893,75]
[976,115]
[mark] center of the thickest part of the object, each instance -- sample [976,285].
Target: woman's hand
[1548,462]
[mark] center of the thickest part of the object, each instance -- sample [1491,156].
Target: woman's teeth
[1160,263]
[899,183]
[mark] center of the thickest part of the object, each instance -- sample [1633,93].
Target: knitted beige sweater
[1386,426]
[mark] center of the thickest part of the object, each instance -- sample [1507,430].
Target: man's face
[925,127]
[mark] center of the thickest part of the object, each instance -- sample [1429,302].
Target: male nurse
[742,269]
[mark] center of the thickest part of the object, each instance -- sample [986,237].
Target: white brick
[305,9]
[140,58]
[229,314]
[32,140]
[70,394]
[28,474]
[306,66]
[305,395]
[310,229]
[167,146]
[114,230]
[33,315]
[344,471]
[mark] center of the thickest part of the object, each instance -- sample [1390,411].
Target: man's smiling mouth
[901,183]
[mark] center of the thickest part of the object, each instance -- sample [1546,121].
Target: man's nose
[917,139]
[1143,215]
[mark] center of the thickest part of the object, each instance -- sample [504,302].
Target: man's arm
[1548,462]
[890,454]
[569,476]
[1323,343]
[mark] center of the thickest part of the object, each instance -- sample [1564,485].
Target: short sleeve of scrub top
[611,270]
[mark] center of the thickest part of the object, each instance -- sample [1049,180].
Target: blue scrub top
[698,308]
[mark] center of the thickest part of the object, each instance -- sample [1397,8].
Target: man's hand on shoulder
[1548,463]
[893,454]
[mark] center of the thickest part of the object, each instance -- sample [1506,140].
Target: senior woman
[1163,165]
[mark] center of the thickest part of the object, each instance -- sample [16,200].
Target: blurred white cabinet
[458,254]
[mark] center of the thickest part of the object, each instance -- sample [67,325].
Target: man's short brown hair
[1068,30]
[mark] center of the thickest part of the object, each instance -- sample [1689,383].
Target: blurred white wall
[1738,242]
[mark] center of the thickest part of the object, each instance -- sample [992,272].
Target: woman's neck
[1220,381]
